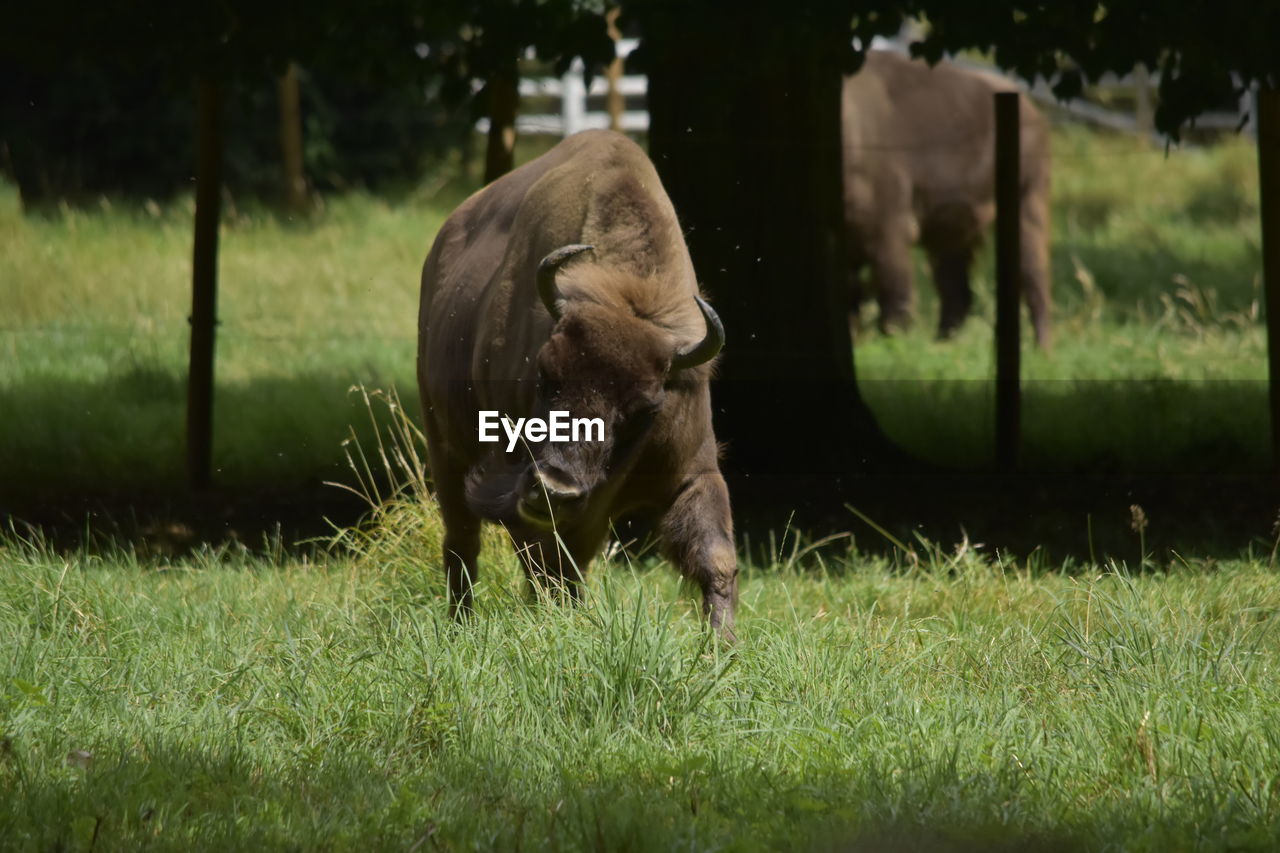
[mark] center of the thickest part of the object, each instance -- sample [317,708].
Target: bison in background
[566,285]
[919,165]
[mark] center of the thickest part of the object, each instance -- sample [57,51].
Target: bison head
[603,363]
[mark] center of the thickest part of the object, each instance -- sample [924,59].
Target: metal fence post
[1268,103]
[204,285]
[1008,269]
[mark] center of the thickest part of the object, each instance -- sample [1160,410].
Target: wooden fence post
[503,88]
[1144,110]
[614,101]
[1268,102]
[1008,266]
[1008,272]
[204,284]
[295,178]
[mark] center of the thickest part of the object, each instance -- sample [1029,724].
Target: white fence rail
[573,93]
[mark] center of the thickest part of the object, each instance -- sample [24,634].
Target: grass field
[950,702]
[1159,360]
[910,696]
[94,342]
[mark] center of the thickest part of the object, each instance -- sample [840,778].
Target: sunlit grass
[942,697]
[93,346]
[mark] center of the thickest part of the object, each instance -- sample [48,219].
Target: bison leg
[461,527]
[891,277]
[461,555]
[856,290]
[1035,273]
[697,535]
[855,262]
[950,267]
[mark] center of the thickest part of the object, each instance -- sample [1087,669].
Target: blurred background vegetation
[1159,361]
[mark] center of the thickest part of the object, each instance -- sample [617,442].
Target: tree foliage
[98,97]
[1207,51]
[140,57]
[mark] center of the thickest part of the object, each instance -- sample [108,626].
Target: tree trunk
[22,102]
[745,131]
[27,165]
[295,179]
[504,94]
[1144,111]
[614,101]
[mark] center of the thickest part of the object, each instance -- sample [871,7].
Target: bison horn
[705,349]
[547,274]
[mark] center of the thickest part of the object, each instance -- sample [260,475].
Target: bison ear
[547,274]
[706,349]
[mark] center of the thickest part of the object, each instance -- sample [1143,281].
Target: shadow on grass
[189,797]
[126,434]
[83,459]
[1085,427]
[86,460]
[1194,456]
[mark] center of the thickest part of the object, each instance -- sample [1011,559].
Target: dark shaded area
[66,438]
[1193,456]
[1082,518]
[1065,516]
[264,520]
[81,131]
[1084,426]
[72,467]
[89,463]
[98,99]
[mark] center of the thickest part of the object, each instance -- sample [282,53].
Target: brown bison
[919,166]
[566,287]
